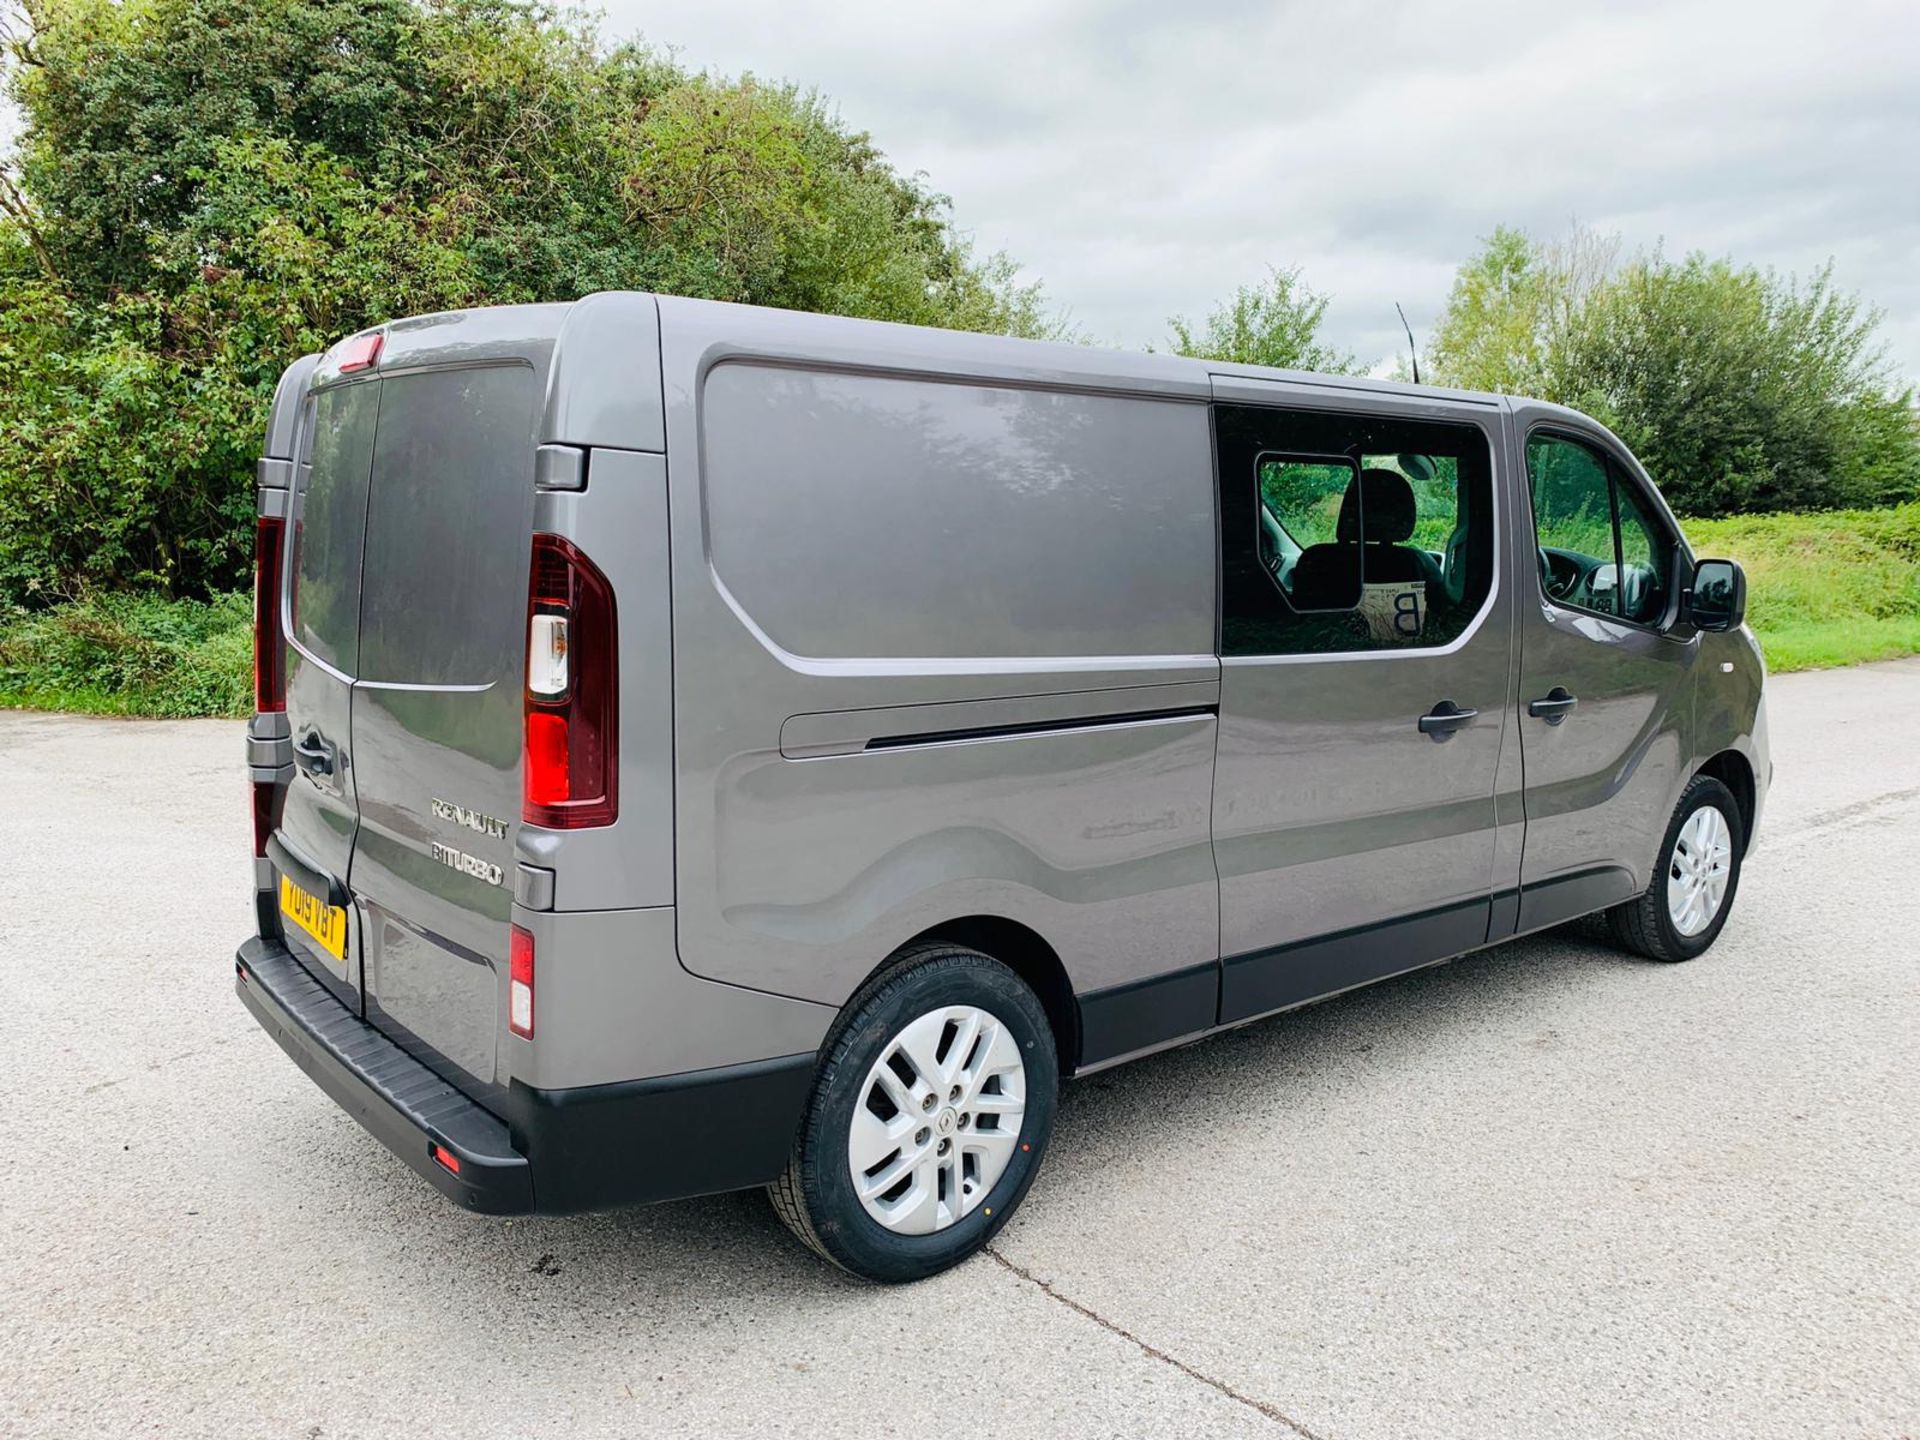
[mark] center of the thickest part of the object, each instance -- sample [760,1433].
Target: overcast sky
[1142,157]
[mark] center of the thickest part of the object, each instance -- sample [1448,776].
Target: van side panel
[929,544]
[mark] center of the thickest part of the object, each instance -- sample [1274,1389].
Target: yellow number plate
[325,923]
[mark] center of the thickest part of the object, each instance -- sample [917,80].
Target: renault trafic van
[702,747]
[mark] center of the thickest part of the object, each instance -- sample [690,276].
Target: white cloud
[1142,159]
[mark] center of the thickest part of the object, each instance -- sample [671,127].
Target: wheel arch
[1735,771]
[1025,952]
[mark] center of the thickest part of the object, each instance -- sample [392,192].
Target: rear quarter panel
[881,532]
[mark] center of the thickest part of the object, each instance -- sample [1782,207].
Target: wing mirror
[1717,599]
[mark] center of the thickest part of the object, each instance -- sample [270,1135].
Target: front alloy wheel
[1681,913]
[1698,870]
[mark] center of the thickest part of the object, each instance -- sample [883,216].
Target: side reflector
[520,984]
[362,352]
[444,1158]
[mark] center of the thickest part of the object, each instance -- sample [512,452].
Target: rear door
[314,844]
[437,710]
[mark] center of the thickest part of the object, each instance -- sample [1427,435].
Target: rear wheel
[1681,913]
[928,1118]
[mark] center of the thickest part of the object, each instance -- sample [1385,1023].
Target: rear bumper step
[664,1138]
[407,1107]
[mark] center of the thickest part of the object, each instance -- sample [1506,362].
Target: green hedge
[1832,588]
[131,655]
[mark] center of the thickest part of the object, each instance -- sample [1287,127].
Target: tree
[1512,306]
[200,193]
[1738,389]
[1276,324]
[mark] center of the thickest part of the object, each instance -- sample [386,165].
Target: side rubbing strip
[1289,975]
[1004,732]
[1132,1017]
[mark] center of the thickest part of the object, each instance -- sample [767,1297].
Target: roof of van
[591,343]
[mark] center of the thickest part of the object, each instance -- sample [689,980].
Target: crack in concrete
[153,1066]
[1261,1407]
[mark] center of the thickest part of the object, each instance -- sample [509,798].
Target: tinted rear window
[329,521]
[448,527]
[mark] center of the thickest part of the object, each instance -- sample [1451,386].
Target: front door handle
[1445,718]
[313,754]
[1553,707]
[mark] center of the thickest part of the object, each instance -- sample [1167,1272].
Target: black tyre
[1683,910]
[928,1120]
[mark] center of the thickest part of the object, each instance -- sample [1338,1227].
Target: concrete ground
[1547,1190]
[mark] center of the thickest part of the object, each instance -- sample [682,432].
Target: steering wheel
[1560,573]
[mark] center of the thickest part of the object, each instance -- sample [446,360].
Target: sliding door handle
[1553,707]
[1445,718]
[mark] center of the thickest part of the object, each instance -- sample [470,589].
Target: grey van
[701,746]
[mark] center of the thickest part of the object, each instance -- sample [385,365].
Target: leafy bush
[131,655]
[203,193]
[1279,323]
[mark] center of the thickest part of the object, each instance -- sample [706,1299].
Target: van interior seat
[1324,577]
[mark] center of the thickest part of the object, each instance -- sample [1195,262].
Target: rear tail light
[520,984]
[571,756]
[269,800]
[269,655]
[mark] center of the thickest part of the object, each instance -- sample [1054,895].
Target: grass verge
[130,655]
[1836,588]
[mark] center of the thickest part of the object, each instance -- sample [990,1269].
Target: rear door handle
[313,754]
[1553,707]
[1445,718]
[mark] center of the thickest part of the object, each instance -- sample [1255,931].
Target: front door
[1603,672]
[1364,694]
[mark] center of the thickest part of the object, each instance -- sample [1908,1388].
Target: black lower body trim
[1568,897]
[404,1105]
[1289,975]
[698,1133]
[1144,1013]
[1506,915]
[558,1151]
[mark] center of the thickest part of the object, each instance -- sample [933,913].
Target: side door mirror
[1717,598]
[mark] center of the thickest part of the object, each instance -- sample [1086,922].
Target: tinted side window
[448,527]
[1646,558]
[1572,521]
[330,517]
[1350,532]
[1601,548]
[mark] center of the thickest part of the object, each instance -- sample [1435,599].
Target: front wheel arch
[1735,771]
